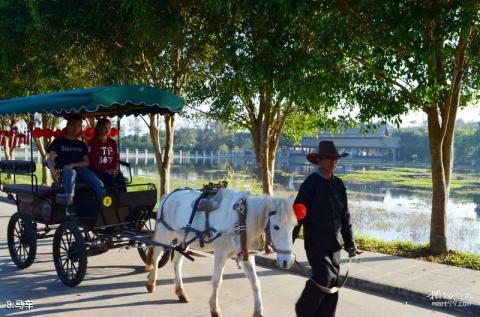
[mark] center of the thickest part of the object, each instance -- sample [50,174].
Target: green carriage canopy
[101,101]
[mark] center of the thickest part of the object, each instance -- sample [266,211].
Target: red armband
[300,211]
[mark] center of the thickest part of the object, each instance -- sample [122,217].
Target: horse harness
[241,208]
[268,238]
[205,236]
[205,202]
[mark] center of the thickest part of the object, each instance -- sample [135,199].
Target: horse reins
[241,208]
[268,238]
[328,290]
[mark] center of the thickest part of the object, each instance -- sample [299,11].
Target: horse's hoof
[148,268]
[182,296]
[150,287]
[183,299]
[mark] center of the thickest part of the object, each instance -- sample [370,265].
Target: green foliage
[212,137]
[414,144]
[402,55]
[264,74]
[29,63]
[236,180]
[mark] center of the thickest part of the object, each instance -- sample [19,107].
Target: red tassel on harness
[300,211]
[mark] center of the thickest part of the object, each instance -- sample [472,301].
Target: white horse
[263,213]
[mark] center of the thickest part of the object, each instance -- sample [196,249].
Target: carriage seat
[208,205]
[18,167]
[212,195]
[26,189]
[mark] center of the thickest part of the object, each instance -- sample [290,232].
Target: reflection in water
[385,212]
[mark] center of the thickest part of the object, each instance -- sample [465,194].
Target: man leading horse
[322,208]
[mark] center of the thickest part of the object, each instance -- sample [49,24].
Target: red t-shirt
[103,156]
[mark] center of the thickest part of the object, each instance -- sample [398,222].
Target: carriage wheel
[22,240]
[148,225]
[69,254]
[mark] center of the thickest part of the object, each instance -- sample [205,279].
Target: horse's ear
[272,201]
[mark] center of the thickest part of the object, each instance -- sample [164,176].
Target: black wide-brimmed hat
[325,148]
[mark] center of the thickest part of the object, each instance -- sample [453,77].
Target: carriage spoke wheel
[69,254]
[22,240]
[147,224]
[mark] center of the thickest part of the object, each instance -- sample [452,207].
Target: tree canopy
[413,55]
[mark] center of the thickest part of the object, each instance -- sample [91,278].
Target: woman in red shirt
[104,156]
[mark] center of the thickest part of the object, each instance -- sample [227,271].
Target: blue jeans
[85,175]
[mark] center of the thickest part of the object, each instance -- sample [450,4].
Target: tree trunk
[168,154]
[266,174]
[438,226]
[265,155]
[154,135]
[43,154]
[8,155]
[271,163]
[262,154]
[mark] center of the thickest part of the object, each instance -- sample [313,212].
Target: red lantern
[37,133]
[21,138]
[89,133]
[48,133]
[113,132]
[63,132]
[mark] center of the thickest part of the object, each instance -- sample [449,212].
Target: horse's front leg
[249,269]
[219,264]
[179,289]
[153,257]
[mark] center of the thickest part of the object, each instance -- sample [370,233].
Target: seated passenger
[71,155]
[104,156]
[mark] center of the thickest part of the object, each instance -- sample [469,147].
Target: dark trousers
[313,302]
[109,182]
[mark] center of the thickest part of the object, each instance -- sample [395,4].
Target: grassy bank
[415,179]
[418,251]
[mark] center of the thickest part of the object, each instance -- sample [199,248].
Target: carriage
[121,219]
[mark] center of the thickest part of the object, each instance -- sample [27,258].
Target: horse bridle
[268,237]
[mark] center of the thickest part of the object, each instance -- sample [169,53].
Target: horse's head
[279,228]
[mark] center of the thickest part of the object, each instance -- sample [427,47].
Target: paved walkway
[440,285]
[115,286]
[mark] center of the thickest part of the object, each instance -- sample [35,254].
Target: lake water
[378,210]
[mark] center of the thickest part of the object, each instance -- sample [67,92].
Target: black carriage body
[119,208]
[121,219]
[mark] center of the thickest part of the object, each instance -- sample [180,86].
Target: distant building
[378,144]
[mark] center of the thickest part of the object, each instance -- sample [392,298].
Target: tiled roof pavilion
[352,139]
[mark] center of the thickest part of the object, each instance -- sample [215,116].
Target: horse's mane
[260,206]
[284,210]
